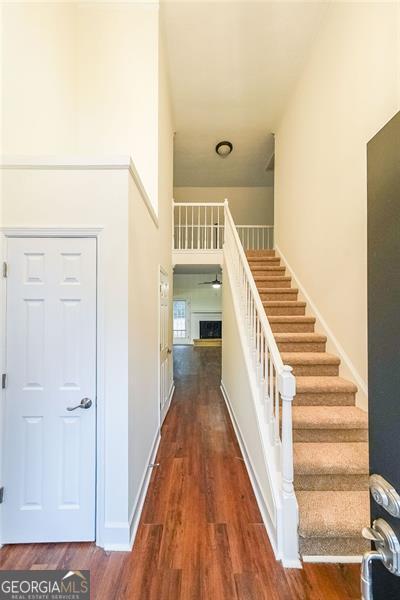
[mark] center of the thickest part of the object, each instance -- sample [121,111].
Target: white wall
[248,205]
[201,299]
[348,91]
[82,78]
[238,389]
[116,102]
[149,249]
[117,83]
[39,78]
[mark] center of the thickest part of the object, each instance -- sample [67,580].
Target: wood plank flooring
[201,535]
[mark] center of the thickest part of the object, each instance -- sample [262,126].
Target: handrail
[197,203]
[254,226]
[276,389]
[259,305]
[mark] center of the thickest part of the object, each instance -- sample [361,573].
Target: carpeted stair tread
[316,385]
[305,358]
[291,319]
[329,417]
[283,303]
[257,253]
[276,290]
[330,434]
[334,514]
[264,259]
[300,337]
[344,458]
[272,269]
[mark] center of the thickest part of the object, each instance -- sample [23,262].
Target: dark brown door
[384,327]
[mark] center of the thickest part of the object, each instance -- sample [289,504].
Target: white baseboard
[347,367]
[332,559]
[168,405]
[121,536]
[252,475]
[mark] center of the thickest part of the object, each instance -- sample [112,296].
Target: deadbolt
[385,495]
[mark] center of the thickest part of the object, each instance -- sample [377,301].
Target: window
[180,319]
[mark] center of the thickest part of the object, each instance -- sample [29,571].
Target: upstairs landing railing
[201,227]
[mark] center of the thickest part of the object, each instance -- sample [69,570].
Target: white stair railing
[256,237]
[275,383]
[198,226]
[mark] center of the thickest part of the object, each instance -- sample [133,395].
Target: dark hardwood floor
[201,536]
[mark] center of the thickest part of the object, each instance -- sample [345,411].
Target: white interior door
[50,451]
[165,351]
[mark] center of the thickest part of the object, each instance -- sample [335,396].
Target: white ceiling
[233,66]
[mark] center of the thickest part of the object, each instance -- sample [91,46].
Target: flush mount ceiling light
[223,149]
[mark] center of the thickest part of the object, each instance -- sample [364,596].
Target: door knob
[85,403]
[387,551]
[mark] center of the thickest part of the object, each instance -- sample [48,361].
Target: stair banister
[275,381]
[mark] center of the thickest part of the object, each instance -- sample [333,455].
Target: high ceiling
[233,66]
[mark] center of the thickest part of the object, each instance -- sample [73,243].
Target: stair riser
[292,327]
[315,370]
[330,435]
[343,482]
[271,296]
[282,311]
[340,399]
[272,282]
[354,546]
[301,346]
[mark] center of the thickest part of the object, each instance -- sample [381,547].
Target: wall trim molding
[83,163]
[61,231]
[170,396]
[347,365]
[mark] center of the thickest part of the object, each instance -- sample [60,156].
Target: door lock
[387,551]
[385,495]
[84,403]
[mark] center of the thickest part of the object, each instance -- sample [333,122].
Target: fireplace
[210,330]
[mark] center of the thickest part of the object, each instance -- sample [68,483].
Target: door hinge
[1,494]
[5,269]
[4,381]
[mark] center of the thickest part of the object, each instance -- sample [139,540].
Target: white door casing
[165,350]
[50,452]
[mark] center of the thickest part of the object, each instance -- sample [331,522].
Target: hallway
[201,534]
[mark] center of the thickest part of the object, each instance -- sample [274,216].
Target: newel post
[287,389]
[290,512]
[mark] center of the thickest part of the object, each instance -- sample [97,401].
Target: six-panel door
[49,451]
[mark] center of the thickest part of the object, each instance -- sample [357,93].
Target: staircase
[330,450]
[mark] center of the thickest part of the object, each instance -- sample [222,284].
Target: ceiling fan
[216,283]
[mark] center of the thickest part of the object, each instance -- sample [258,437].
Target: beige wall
[249,205]
[348,91]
